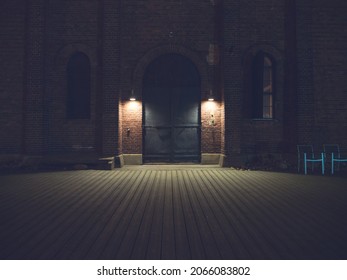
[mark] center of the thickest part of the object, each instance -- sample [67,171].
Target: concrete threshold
[169,166]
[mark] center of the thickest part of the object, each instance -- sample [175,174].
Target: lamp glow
[210,96]
[132,96]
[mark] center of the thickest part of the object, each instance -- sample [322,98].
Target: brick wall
[131,127]
[153,28]
[290,79]
[305,71]
[329,40]
[232,80]
[248,28]
[12,59]
[121,38]
[322,84]
[111,75]
[34,142]
[73,27]
[211,127]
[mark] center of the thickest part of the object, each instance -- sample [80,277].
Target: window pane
[78,81]
[263,86]
[267,75]
[267,105]
[267,88]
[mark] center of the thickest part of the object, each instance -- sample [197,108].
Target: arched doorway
[171,110]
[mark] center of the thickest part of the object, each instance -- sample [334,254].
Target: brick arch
[61,60]
[141,66]
[269,49]
[63,55]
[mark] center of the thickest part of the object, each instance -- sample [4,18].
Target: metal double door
[171,124]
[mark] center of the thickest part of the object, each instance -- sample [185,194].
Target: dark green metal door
[171,121]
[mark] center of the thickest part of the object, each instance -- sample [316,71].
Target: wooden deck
[172,213]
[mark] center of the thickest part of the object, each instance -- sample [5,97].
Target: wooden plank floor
[172,212]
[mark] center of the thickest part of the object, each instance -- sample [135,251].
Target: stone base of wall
[136,159]
[68,161]
[130,159]
[210,158]
[222,161]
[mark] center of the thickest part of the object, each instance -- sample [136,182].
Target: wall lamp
[132,96]
[210,96]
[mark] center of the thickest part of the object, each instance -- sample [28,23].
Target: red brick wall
[322,83]
[110,59]
[121,38]
[248,28]
[222,121]
[211,127]
[12,60]
[120,128]
[153,28]
[305,72]
[329,42]
[131,127]
[70,31]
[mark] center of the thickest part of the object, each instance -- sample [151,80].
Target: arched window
[78,86]
[263,87]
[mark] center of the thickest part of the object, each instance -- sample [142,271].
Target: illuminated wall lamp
[132,96]
[210,96]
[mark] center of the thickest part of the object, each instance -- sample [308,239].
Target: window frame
[258,93]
